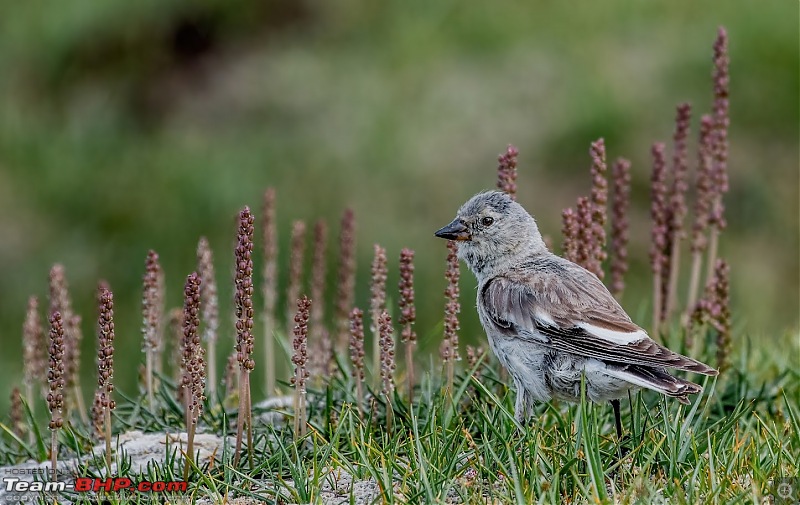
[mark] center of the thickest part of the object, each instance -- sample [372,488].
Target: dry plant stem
[713,245]
[702,210]
[377,306]
[54,455]
[346,277]
[240,419]
[300,362]
[107,425]
[249,421]
[677,202]
[357,356]
[189,451]
[149,376]
[270,281]
[658,212]
[244,325]
[209,309]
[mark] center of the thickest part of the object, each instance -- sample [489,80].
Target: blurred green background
[126,126]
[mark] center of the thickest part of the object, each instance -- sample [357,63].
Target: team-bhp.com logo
[89,485]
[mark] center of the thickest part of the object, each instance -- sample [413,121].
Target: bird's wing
[567,308]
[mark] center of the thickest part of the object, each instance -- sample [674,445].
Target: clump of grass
[270,289]
[621,175]
[244,329]
[209,306]
[300,360]
[56,381]
[152,318]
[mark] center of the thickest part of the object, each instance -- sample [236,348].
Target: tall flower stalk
[270,281]
[357,355]
[244,329]
[702,209]
[56,383]
[33,355]
[677,202]
[621,175]
[346,279]
[105,364]
[408,314]
[507,171]
[377,304]
[296,260]
[599,204]
[387,364]
[659,216]
[15,413]
[569,230]
[720,147]
[300,361]
[152,317]
[319,336]
[452,307]
[714,309]
[60,301]
[193,381]
[209,306]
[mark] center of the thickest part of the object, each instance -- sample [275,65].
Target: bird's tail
[656,379]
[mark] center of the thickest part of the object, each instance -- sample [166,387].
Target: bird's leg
[618,421]
[617,418]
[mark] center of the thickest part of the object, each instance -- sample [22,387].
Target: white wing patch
[615,337]
[544,317]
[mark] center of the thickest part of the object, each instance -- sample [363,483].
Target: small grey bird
[549,320]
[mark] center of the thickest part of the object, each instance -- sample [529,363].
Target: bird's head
[491,230]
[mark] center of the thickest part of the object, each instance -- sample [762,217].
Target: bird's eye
[487,221]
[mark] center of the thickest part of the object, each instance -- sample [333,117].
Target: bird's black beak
[456,230]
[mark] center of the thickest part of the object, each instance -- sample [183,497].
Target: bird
[550,321]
